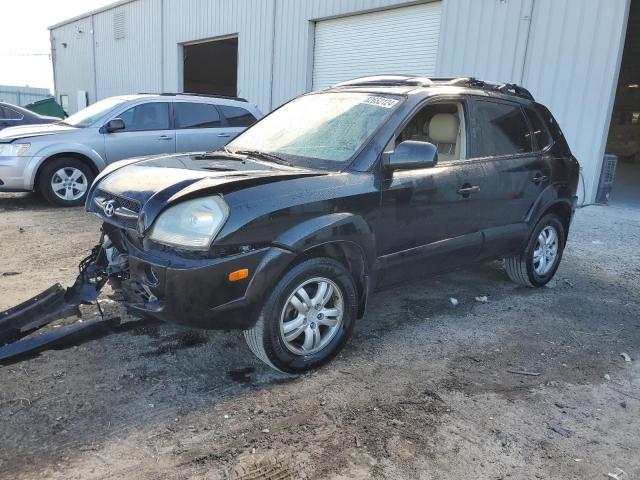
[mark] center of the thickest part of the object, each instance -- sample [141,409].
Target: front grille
[132,205]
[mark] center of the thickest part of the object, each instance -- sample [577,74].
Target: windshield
[321,130]
[88,116]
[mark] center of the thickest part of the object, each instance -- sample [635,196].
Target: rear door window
[501,129]
[237,116]
[196,115]
[147,116]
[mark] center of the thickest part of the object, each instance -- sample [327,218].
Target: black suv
[286,231]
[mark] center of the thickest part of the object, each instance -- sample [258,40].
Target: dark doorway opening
[624,131]
[212,67]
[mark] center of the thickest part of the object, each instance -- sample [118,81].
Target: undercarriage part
[36,312]
[104,263]
[67,336]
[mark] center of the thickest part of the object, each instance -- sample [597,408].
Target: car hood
[154,183]
[26,131]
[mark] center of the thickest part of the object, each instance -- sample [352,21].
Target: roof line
[90,13]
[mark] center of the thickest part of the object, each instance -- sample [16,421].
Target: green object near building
[47,106]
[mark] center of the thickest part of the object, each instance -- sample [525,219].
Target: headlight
[191,225]
[13,149]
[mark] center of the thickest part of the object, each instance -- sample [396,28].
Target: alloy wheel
[312,315]
[546,251]
[69,183]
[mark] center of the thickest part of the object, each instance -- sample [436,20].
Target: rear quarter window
[541,134]
[237,116]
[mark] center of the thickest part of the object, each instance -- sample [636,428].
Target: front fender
[64,148]
[334,227]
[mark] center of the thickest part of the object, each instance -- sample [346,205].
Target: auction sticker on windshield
[384,102]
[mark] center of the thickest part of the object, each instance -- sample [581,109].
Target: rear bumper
[198,293]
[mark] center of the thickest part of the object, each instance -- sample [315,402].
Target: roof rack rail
[173,94]
[419,81]
[514,89]
[387,80]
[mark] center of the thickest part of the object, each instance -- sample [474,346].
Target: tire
[523,269]
[66,172]
[266,339]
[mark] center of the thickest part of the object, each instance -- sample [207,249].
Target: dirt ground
[424,389]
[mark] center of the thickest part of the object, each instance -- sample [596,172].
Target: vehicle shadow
[23,201]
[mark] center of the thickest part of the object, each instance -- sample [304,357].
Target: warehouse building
[568,53]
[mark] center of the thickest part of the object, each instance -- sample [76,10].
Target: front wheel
[538,262]
[307,319]
[64,182]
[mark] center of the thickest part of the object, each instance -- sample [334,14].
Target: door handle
[224,135]
[467,190]
[165,137]
[538,179]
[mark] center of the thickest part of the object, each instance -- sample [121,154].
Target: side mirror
[411,154]
[114,125]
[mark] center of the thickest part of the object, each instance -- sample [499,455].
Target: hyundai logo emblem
[109,208]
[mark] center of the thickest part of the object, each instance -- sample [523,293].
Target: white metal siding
[400,40]
[131,63]
[73,63]
[251,20]
[566,52]
[572,67]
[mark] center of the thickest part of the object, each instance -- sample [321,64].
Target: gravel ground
[424,389]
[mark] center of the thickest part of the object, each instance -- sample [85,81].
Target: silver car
[61,160]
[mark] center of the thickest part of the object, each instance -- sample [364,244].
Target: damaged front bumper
[197,292]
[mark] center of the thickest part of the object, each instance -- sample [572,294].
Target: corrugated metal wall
[572,66]
[565,51]
[22,96]
[130,64]
[72,53]
[195,20]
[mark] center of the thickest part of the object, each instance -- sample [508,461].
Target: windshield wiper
[224,153]
[62,122]
[270,157]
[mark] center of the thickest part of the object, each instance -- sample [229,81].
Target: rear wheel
[308,317]
[65,182]
[538,262]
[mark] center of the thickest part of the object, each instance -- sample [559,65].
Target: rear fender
[552,197]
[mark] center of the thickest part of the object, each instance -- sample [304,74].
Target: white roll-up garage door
[396,41]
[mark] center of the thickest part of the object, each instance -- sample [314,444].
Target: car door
[515,173]
[237,119]
[199,127]
[429,218]
[148,130]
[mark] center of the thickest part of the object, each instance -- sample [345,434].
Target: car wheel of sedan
[65,182]
[538,263]
[308,317]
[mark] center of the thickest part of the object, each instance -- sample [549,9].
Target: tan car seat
[444,132]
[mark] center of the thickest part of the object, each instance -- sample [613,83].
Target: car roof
[410,84]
